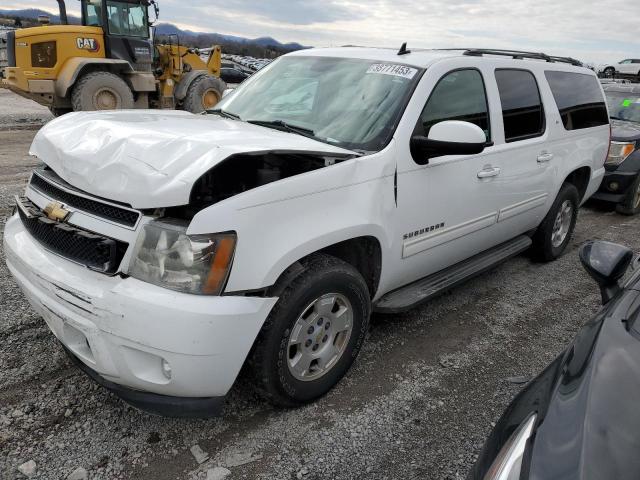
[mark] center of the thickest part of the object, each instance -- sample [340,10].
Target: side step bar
[429,287]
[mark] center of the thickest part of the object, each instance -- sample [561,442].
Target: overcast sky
[600,31]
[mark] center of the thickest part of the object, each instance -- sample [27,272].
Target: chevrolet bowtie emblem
[56,212]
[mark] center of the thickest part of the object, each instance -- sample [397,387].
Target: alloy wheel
[319,337]
[562,224]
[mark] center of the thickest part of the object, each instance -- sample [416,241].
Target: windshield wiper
[287,127]
[224,113]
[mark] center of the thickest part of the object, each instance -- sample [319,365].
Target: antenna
[403,49]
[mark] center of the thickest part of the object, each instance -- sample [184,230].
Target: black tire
[57,112]
[323,274]
[101,91]
[543,248]
[631,204]
[609,72]
[203,93]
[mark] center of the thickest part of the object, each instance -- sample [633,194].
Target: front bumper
[122,329]
[622,180]
[167,406]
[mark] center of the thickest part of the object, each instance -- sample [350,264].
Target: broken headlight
[166,256]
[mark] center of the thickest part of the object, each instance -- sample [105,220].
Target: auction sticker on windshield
[393,69]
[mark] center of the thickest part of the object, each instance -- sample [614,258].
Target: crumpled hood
[151,158]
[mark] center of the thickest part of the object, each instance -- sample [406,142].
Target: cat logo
[54,211]
[90,44]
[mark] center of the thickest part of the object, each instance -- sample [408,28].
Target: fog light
[166,369]
[614,186]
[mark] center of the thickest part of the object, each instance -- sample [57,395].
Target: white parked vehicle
[166,250]
[629,66]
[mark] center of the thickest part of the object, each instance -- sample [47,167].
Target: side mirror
[607,263]
[451,137]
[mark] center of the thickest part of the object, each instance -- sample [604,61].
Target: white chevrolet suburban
[167,250]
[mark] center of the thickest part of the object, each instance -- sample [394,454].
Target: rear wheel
[631,204]
[101,91]
[203,94]
[555,231]
[313,334]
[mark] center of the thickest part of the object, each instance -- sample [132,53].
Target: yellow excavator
[109,62]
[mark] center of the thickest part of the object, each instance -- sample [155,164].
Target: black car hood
[590,428]
[624,131]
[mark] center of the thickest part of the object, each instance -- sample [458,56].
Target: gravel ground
[418,403]
[17,112]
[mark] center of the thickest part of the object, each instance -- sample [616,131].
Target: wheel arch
[580,179]
[75,68]
[183,86]
[364,253]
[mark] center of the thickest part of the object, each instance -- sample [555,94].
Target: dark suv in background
[621,184]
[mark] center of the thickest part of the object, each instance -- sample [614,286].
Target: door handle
[489,172]
[545,157]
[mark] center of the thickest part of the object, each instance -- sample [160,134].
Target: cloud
[586,29]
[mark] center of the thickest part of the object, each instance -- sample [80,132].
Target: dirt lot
[417,404]
[17,112]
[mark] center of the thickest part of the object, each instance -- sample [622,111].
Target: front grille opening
[99,209]
[97,252]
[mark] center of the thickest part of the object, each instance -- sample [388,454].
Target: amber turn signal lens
[220,265]
[627,150]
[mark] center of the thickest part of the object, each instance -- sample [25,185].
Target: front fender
[186,81]
[280,223]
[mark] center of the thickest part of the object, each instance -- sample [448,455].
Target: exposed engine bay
[242,172]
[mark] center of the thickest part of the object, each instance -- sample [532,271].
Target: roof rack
[520,55]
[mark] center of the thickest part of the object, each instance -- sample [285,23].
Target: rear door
[523,152]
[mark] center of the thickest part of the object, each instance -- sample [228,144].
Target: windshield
[624,106]
[350,103]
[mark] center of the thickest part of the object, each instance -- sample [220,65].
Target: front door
[447,209]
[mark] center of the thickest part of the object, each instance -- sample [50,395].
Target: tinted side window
[522,110]
[459,95]
[579,99]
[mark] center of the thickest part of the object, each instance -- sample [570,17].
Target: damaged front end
[242,172]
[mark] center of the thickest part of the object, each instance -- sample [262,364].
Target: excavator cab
[126,29]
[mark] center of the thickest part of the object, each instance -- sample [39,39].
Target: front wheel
[609,72]
[555,231]
[203,93]
[631,204]
[313,333]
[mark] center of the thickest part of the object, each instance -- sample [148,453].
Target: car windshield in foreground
[351,103]
[624,106]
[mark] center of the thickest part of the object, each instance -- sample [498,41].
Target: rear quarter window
[579,99]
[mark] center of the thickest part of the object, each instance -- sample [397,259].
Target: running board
[429,287]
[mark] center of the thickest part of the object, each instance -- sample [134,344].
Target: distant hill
[34,13]
[199,39]
[170,29]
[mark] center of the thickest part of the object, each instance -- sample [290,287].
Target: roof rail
[519,55]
